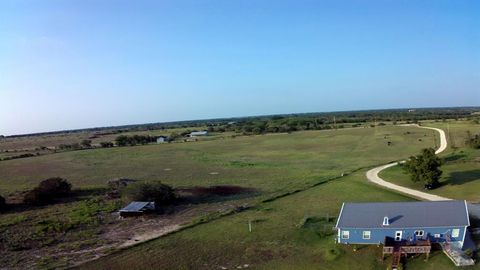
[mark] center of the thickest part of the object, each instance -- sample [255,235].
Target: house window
[366,234]
[345,234]
[419,233]
[437,235]
[455,232]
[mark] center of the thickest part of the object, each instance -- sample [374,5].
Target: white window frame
[367,235]
[419,233]
[455,233]
[345,235]
[398,235]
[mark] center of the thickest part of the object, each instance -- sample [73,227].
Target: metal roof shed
[137,208]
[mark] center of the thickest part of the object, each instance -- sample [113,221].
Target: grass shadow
[462,177]
[213,194]
[455,157]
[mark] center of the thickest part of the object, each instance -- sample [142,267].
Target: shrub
[106,144]
[157,192]
[86,143]
[56,187]
[332,253]
[47,191]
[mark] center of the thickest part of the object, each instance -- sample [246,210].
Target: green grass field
[275,162]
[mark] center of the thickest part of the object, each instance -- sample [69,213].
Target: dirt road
[372,175]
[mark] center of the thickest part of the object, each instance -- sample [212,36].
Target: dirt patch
[111,234]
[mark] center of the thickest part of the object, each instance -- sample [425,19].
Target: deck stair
[396,256]
[456,254]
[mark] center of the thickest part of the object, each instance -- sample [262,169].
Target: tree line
[124,140]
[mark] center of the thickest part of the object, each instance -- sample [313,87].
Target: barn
[137,209]
[373,223]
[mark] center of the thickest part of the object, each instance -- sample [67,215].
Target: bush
[47,191]
[56,187]
[106,144]
[156,192]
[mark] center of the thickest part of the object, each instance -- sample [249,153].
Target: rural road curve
[372,175]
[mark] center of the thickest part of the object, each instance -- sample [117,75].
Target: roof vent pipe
[386,222]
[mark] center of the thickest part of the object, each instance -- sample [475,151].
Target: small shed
[199,133]
[373,223]
[137,209]
[161,139]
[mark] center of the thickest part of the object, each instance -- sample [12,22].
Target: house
[161,139]
[375,223]
[137,209]
[198,133]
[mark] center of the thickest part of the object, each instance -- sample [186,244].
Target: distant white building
[161,139]
[199,133]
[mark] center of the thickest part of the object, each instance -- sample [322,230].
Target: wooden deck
[402,248]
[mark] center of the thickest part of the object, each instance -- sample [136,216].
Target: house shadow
[393,219]
[462,177]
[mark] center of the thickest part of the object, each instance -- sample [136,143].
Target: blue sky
[77,64]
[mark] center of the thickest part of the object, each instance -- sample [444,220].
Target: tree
[473,140]
[86,143]
[424,168]
[157,192]
[173,136]
[106,144]
[47,191]
[121,140]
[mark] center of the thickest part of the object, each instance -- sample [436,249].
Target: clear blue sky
[77,64]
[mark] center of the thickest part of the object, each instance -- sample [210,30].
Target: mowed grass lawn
[274,162]
[461,171]
[277,240]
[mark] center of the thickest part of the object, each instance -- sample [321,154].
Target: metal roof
[135,207]
[404,214]
[199,132]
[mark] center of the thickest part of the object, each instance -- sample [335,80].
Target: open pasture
[270,163]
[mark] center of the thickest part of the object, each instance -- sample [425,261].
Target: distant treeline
[319,121]
[286,122]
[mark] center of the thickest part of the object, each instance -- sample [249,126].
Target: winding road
[372,175]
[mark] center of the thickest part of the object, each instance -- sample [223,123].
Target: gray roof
[199,133]
[135,207]
[404,214]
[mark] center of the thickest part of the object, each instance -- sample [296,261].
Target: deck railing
[420,246]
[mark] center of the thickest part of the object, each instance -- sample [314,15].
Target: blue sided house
[376,223]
